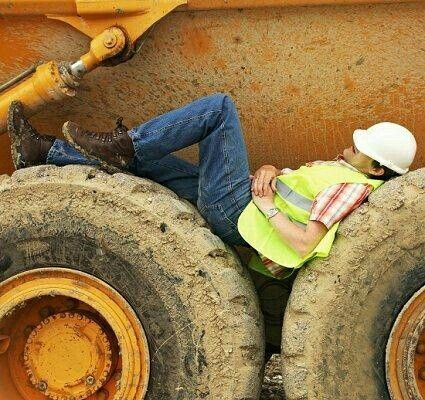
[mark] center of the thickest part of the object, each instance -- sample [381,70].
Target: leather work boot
[28,147]
[114,150]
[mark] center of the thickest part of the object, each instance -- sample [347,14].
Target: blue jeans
[219,186]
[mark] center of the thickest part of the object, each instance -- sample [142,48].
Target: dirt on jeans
[272,384]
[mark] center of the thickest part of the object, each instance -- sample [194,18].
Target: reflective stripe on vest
[292,197]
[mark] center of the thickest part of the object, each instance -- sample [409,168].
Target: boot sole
[103,164]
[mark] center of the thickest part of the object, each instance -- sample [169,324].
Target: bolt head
[117,376]
[42,386]
[110,41]
[90,380]
[70,304]
[28,330]
[46,312]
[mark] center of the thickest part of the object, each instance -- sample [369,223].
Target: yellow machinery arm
[114,26]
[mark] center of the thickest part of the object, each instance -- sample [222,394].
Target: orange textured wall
[303,78]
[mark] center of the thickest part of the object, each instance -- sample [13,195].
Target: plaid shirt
[330,205]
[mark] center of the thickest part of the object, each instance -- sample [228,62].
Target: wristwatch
[271,212]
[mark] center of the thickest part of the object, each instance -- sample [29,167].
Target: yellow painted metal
[39,7]
[95,20]
[134,24]
[47,85]
[76,343]
[119,7]
[46,294]
[93,17]
[106,45]
[50,83]
[78,7]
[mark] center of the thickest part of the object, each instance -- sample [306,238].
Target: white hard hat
[390,144]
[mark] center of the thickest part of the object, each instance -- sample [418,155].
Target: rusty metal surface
[303,78]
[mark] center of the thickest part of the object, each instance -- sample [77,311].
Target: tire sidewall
[175,365]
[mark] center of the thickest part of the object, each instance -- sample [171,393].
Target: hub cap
[76,343]
[67,335]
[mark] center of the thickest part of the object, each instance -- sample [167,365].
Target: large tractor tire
[354,325]
[113,288]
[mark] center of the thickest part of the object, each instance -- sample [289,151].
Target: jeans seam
[226,216]
[226,163]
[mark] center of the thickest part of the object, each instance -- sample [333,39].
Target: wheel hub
[66,335]
[68,355]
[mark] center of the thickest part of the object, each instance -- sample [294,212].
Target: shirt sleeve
[336,202]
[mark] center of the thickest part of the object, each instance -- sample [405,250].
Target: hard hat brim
[360,138]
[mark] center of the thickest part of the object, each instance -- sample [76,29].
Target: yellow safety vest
[295,194]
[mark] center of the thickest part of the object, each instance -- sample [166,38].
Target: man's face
[360,161]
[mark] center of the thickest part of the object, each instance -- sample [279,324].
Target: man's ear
[376,171]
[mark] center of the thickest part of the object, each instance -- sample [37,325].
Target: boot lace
[108,137]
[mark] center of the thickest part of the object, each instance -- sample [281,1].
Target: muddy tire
[193,297]
[342,309]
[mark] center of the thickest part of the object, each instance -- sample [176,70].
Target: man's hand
[265,202]
[264,179]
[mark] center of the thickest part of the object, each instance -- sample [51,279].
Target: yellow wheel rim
[405,358]
[66,334]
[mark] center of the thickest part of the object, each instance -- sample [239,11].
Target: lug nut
[71,304]
[28,330]
[420,349]
[42,386]
[90,380]
[117,376]
[46,312]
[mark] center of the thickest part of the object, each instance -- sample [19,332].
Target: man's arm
[303,241]
[329,207]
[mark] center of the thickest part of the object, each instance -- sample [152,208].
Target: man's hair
[388,173]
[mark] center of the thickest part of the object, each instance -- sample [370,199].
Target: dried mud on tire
[341,309]
[195,300]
